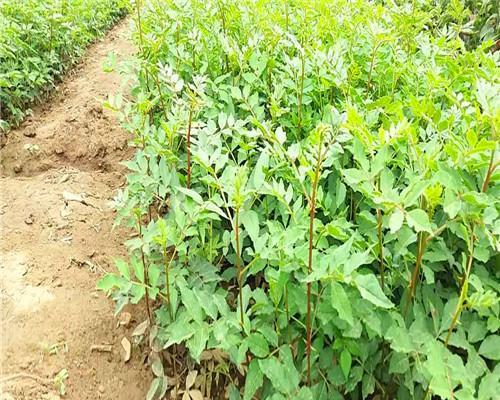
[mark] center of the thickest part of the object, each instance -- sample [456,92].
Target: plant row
[39,40]
[316,200]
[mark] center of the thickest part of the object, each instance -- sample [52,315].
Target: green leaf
[396,220]
[198,341]
[477,331]
[157,368]
[108,282]
[354,176]
[399,363]
[356,260]
[122,266]
[370,290]
[274,371]
[280,135]
[451,204]
[154,272]
[345,362]
[212,207]
[341,302]
[250,221]
[257,344]
[155,384]
[400,339]
[414,192]
[222,120]
[253,380]
[138,269]
[259,176]
[178,332]
[283,375]
[191,193]
[192,304]
[236,92]
[419,220]
[490,386]
[206,300]
[368,386]
[304,393]
[490,347]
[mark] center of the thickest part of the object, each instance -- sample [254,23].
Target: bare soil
[53,250]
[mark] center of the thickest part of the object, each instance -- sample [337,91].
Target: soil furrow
[53,249]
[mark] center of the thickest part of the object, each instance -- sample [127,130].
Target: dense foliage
[475,21]
[316,196]
[39,40]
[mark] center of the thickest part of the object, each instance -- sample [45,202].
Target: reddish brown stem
[489,173]
[422,244]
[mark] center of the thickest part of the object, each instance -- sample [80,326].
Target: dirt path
[52,251]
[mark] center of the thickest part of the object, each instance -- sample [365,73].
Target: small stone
[59,150]
[18,168]
[101,389]
[29,220]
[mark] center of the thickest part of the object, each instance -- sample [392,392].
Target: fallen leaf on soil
[32,148]
[101,348]
[141,328]
[128,349]
[67,239]
[63,178]
[68,196]
[190,379]
[195,395]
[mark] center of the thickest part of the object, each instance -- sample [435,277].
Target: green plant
[318,194]
[39,41]
[60,381]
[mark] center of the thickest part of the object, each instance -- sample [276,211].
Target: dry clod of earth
[69,146]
